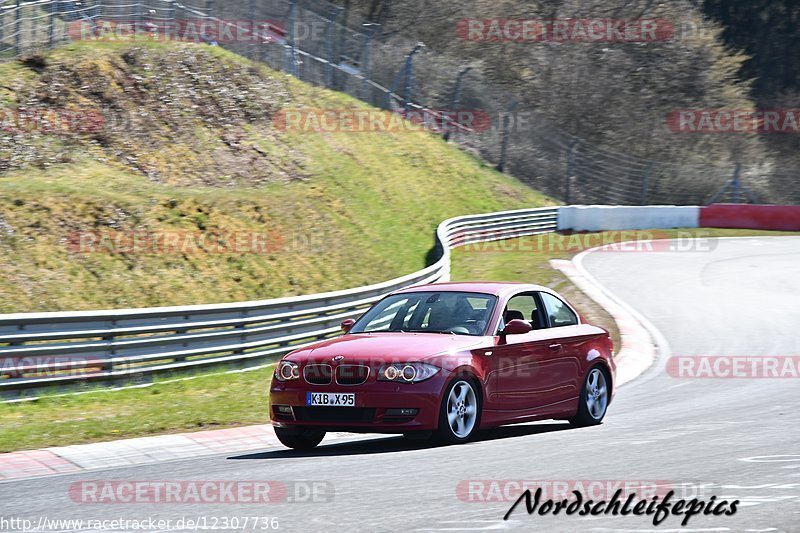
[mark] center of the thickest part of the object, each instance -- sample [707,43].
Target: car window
[429,312]
[560,314]
[385,315]
[521,307]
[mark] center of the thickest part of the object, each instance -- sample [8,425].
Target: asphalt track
[730,438]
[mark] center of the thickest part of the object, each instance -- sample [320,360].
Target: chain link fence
[309,40]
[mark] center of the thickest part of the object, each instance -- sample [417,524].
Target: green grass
[205,402]
[241,398]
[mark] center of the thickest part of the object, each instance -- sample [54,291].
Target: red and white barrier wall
[745,216]
[774,217]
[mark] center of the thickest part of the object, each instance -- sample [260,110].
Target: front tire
[299,438]
[594,399]
[459,414]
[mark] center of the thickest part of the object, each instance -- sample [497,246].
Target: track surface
[741,298]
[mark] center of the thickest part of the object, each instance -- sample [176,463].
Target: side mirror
[517,327]
[347,324]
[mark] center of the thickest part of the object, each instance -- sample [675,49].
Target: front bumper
[375,407]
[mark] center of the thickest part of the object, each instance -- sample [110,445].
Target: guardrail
[44,350]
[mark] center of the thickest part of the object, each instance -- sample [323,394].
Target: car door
[526,369]
[565,337]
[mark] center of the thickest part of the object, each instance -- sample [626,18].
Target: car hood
[387,347]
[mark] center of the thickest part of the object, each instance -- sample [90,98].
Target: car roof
[496,288]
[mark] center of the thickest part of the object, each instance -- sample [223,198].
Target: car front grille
[317,374]
[351,374]
[334,414]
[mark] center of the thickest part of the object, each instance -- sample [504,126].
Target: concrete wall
[606,217]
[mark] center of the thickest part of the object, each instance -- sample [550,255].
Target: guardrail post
[108,365]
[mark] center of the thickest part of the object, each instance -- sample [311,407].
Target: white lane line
[771,459]
[608,529]
[680,385]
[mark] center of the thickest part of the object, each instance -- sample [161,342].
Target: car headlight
[287,371]
[407,372]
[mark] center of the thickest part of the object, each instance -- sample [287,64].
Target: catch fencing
[310,40]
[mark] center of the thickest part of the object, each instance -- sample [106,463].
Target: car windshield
[459,313]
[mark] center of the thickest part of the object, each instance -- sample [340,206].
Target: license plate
[333,399]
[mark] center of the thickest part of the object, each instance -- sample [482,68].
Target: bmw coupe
[443,361]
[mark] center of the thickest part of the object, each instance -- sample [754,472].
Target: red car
[445,360]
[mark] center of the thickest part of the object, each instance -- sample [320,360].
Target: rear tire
[595,395]
[299,438]
[460,412]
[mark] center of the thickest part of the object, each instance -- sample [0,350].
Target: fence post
[329,50]
[54,9]
[18,29]
[735,184]
[646,182]
[409,76]
[506,135]
[456,99]
[210,9]
[570,171]
[365,58]
[2,30]
[292,58]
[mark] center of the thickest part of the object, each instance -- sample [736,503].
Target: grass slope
[188,144]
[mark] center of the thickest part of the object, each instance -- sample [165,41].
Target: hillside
[186,144]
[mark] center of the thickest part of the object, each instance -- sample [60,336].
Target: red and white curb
[639,338]
[143,450]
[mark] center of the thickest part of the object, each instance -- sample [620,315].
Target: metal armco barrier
[45,350]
